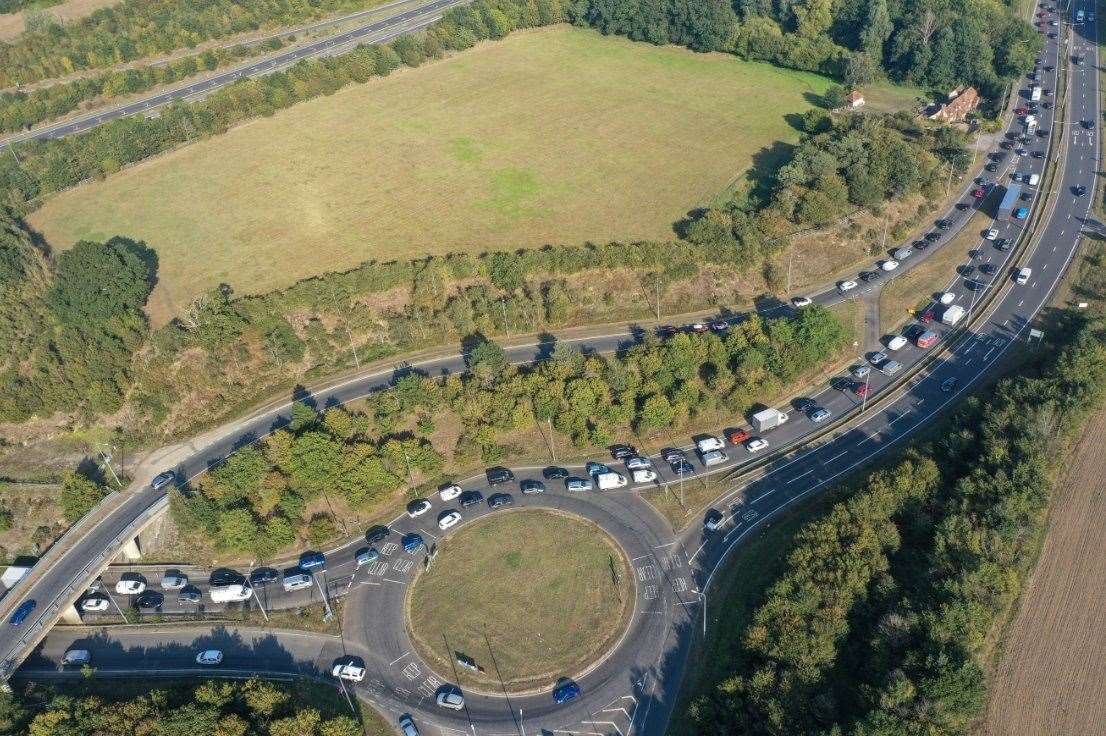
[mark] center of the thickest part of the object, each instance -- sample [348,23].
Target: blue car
[566,693]
[312,560]
[412,542]
[22,612]
[1021,213]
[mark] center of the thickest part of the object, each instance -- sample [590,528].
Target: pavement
[633,689]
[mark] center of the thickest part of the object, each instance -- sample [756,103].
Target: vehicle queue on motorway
[791,478]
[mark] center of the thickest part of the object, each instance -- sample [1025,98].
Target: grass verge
[530,596]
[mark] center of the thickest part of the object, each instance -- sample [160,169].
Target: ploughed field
[558,135]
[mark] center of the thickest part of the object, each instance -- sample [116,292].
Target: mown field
[553,136]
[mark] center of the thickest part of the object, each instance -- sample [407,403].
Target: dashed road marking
[646,573]
[402,565]
[412,671]
[389,549]
[649,592]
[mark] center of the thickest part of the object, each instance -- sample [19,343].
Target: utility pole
[657,283]
[256,597]
[503,306]
[552,445]
[105,458]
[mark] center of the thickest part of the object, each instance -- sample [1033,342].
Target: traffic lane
[126,649]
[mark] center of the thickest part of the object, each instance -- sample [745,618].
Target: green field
[559,135]
[550,592]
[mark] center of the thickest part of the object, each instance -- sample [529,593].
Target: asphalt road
[378,31]
[635,687]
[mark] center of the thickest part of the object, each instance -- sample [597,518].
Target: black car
[992,167]
[498,500]
[621,452]
[377,534]
[672,454]
[943,224]
[963,206]
[554,472]
[966,270]
[804,404]
[149,599]
[682,467]
[499,475]
[190,595]
[225,576]
[1079,191]
[1088,124]
[869,275]
[471,498]
[1002,244]
[532,486]
[987,268]
[262,576]
[931,237]
[1038,154]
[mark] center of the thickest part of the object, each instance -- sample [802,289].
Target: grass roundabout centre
[529,596]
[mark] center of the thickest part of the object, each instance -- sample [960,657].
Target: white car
[756,444]
[418,507]
[174,580]
[130,586]
[448,493]
[209,657]
[448,519]
[843,286]
[451,699]
[706,444]
[95,604]
[889,265]
[643,475]
[947,298]
[349,671]
[801,301]
[991,234]
[1023,276]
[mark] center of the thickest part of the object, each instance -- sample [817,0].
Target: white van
[708,444]
[714,457]
[607,481]
[644,475]
[896,342]
[297,581]
[76,658]
[1023,275]
[1034,179]
[231,593]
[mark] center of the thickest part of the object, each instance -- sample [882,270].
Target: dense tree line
[879,623]
[38,168]
[933,43]
[254,502]
[21,110]
[212,708]
[80,323]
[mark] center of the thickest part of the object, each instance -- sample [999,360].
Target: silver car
[173,580]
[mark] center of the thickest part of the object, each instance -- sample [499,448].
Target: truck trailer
[768,419]
[1009,200]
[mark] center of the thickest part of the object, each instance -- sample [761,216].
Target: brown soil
[1050,679]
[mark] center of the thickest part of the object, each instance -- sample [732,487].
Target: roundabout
[518,600]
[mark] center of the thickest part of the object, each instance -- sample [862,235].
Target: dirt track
[1051,679]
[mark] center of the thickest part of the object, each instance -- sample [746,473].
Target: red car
[737,436]
[1020,111]
[860,389]
[927,316]
[979,193]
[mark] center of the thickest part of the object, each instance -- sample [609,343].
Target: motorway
[635,687]
[376,31]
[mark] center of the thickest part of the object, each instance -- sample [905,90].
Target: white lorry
[767,419]
[1035,93]
[953,314]
[607,481]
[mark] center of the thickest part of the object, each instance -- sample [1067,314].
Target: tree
[79,494]
[835,97]
[237,530]
[877,30]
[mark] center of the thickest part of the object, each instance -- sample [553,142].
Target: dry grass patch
[906,294]
[13,24]
[559,135]
[551,593]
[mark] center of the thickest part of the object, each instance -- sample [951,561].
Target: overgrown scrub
[38,168]
[72,322]
[211,707]
[881,622]
[20,110]
[257,500]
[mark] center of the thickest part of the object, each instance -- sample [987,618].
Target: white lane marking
[799,477]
